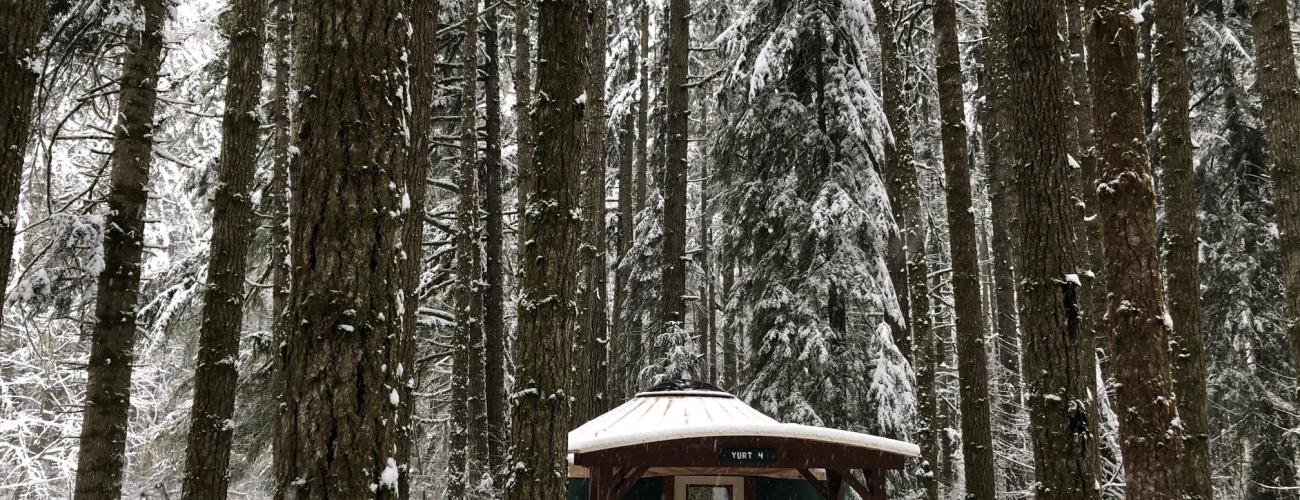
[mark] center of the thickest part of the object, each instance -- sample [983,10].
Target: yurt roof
[683,410]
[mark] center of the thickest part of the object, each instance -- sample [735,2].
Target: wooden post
[597,487]
[836,484]
[875,484]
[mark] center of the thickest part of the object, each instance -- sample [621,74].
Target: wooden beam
[876,482]
[816,483]
[628,482]
[835,484]
[705,452]
[857,486]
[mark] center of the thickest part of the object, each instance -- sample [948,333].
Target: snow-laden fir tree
[805,209]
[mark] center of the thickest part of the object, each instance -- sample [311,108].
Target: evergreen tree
[1279,103]
[677,101]
[900,159]
[23,20]
[1140,327]
[972,357]
[1181,242]
[494,330]
[468,415]
[997,129]
[594,398]
[541,414]
[423,86]
[100,459]
[804,207]
[1058,360]
[207,455]
[344,377]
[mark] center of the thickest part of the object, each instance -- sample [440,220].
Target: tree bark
[23,20]
[1182,243]
[423,88]
[278,199]
[467,377]
[677,129]
[1002,204]
[619,340]
[704,316]
[541,414]
[1150,436]
[207,454]
[900,162]
[100,457]
[972,358]
[730,335]
[1058,362]
[1279,89]
[344,375]
[524,146]
[635,337]
[494,331]
[643,104]
[594,320]
[1095,298]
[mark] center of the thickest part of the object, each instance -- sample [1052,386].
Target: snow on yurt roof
[684,409]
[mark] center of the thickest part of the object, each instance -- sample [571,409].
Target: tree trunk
[494,331]
[344,377]
[704,317]
[1058,362]
[23,20]
[1002,200]
[278,199]
[677,130]
[108,386]
[619,360]
[423,88]
[643,104]
[597,278]
[524,146]
[636,339]
[730,335]
[1182,243]
[541,414]
[900,162]
[972,359]
[207,454]
[467,384]
[1279,89]
[1150,437]
[1095,293]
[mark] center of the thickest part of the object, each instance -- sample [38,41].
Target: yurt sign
[747,455]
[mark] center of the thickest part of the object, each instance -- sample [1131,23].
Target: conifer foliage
[348,249]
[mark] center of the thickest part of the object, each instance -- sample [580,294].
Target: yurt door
[708,488]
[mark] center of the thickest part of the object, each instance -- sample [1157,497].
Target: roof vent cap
[682,387]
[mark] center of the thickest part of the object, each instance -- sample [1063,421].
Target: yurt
[684,440]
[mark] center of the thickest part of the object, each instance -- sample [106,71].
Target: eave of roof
[670,415]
